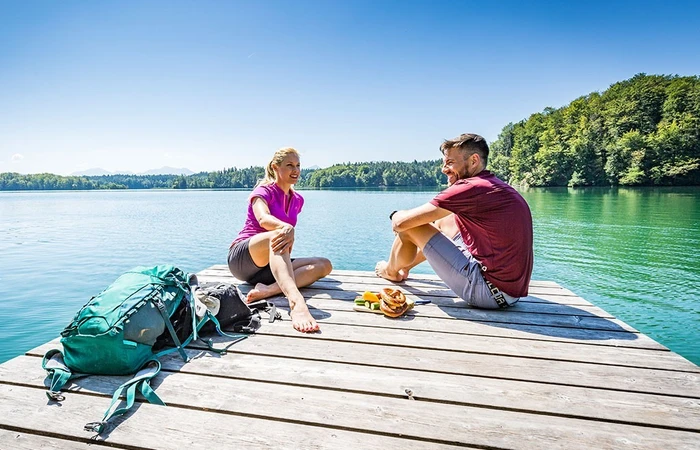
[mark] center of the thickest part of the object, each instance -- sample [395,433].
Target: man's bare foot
[259,292]
[302,320]
[382,270]
[404,274]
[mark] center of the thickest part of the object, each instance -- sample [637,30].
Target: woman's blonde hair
[277,159]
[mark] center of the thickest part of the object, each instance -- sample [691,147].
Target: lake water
[633,252]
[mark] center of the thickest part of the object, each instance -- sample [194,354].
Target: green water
[633,252]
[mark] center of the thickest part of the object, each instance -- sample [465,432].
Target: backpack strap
[59,373]
[193,285]
[248,325]
[209,342]
[140,381]
[161,308]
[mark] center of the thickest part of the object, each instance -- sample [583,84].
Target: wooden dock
[555,371]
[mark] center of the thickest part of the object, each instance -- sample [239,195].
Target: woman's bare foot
[259,292]
[302,320]
[382,270]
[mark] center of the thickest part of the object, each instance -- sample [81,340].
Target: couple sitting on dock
[476,235]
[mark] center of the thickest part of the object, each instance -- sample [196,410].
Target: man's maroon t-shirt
[496,225]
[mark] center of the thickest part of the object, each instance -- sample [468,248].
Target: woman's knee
[320,267]
[325,266]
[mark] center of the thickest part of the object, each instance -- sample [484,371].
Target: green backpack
[114,334]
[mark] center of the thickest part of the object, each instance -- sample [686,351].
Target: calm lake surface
[633,252]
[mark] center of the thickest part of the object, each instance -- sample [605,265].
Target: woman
[260,255]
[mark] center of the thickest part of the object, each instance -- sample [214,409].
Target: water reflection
[634,252]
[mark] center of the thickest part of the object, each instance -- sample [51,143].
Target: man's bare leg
[406,252]
[417,260]
[392,270]
[403,273]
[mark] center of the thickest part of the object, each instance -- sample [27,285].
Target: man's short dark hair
[469,143]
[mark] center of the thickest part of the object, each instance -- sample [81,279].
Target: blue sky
[136,85]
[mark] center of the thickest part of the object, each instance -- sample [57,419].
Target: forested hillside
[642,131]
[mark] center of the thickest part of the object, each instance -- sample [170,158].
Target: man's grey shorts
[460,271]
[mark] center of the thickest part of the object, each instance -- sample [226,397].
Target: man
[476,234]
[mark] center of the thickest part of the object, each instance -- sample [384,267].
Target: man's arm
[411,218]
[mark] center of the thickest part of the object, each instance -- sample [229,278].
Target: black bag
[234,313]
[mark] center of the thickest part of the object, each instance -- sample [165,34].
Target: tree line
[11,181]
[349,175]
[641,131]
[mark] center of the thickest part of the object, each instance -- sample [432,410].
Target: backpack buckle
[94,427]
[55,396]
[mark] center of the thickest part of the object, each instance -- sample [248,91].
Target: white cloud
[16,157]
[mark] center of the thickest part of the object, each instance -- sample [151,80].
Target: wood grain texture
[553,372]
[402,418]
[587,403]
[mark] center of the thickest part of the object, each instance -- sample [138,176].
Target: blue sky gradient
[131,86]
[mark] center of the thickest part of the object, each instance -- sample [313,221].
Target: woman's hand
[283,240]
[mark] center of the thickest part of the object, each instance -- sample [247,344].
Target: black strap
[274,314]
[497,295]
[270,308]
[161,308]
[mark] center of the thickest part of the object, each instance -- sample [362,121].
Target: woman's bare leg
[281,266]
[283,271]
[306,271]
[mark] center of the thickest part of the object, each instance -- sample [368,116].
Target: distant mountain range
[95,172]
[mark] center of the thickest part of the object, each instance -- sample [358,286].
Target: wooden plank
[528,304]
[683,384]
[437,287]
[425,284]
[17,440]
[515,331]
[415,276]
[509,316]
[158,427]
[558,351]
[405,419]
[549,304]
[611,406]
[630,379]
[462,310]
[437,296]
[434,293]
[223,268]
